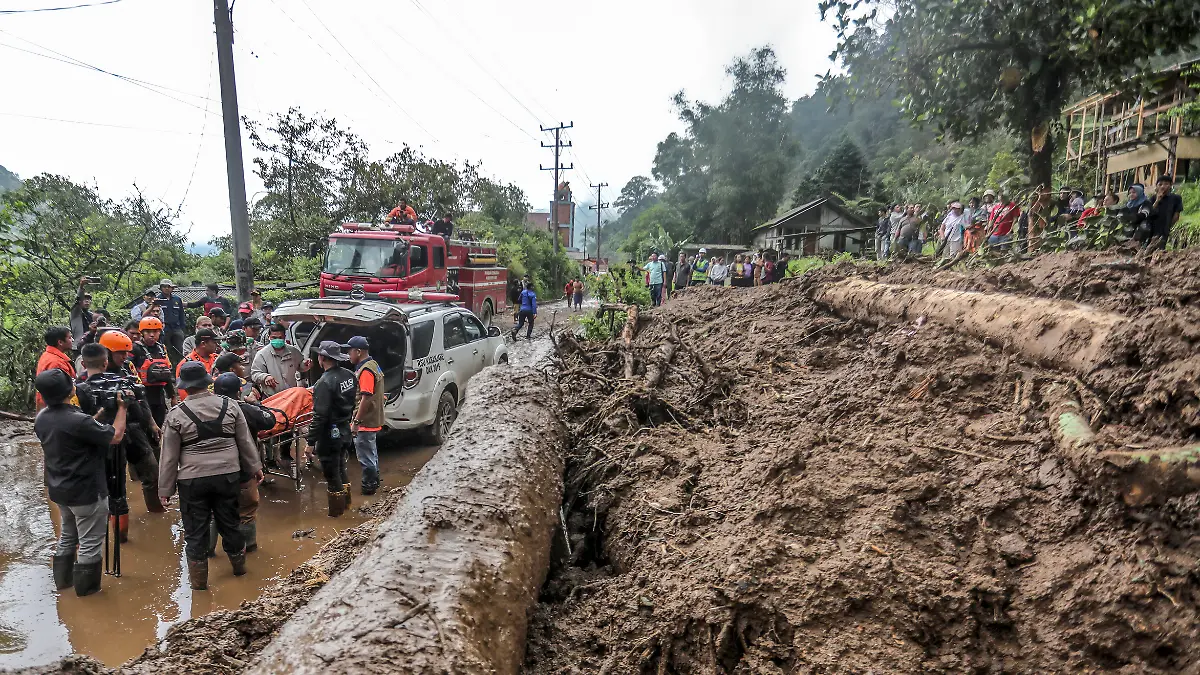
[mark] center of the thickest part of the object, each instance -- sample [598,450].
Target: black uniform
[160,383]
[334,397]
[136,448]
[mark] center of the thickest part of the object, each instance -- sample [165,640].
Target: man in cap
[329,432]
[207,452]
[174,318]
[368,416]
[220,319]
[265,313]
[205,353]
[75,446]
[139,310]
[700,269]
[253,328]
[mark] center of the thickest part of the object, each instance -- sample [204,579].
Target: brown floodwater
[39,625]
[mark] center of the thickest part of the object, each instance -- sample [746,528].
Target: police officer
[333,404]
[207,448]
[76,447]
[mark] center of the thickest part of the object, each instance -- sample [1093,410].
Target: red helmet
[150,323]
[116,341]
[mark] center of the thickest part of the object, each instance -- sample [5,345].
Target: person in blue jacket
[527,310]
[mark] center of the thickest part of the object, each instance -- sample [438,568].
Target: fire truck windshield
[366,257]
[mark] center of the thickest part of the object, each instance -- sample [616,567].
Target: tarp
[287,406]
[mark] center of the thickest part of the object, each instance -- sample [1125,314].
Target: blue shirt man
[656,269]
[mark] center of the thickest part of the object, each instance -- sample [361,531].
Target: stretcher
[293,411]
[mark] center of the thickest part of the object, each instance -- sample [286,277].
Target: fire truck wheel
[447,412]
[486,314]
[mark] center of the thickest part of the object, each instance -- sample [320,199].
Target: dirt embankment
[806,493]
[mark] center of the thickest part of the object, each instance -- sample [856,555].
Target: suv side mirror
[494,331]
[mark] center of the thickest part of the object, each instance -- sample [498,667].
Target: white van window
[422,339]
[475,329]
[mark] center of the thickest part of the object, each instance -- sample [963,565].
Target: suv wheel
[447,412]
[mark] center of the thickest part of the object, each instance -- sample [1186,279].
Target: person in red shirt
[367,421]
[403,214]
[59,344]
[1109,200]
[1001,220]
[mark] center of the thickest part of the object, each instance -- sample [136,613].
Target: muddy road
[136,610]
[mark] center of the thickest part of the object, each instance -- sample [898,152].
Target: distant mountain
[202,249]
[8,180]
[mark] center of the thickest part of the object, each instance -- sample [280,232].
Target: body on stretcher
[293,411]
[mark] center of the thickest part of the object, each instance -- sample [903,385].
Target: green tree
[727,172]
[1005,172]
[967,65]
[844,170]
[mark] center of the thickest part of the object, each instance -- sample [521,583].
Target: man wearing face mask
[277,365]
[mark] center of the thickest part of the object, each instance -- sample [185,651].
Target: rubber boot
[86,578]
[238,561]
[153,503]
[62,567]
[212,537]
[370,483]
[250,534]
[121,525]
[346,492]
[198,574]
[337,503]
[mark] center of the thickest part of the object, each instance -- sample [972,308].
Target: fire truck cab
[364,260]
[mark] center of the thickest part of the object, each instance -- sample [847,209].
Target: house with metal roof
[821,225]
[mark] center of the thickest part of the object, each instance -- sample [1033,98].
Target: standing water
[39,625]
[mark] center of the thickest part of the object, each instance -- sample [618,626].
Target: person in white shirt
[953,226]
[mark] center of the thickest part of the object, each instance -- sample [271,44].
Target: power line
[57,9]
[148,86]
[199,146]
[368,74]
[98,124]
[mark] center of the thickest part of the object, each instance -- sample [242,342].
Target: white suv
[428,352]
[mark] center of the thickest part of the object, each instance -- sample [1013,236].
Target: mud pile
[804,493]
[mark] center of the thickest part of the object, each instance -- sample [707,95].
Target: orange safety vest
[160,362]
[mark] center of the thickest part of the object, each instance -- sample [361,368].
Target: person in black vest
[259,419]
[207,448]
[76,447]
[334,396]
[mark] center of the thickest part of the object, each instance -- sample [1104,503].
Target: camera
[110,389]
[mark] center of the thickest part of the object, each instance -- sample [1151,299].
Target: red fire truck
[365,260]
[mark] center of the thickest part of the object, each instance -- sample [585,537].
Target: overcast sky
[461,79]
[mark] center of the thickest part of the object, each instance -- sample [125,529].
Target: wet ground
[136,609]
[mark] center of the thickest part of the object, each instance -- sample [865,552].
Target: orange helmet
[150,323]
[116,341]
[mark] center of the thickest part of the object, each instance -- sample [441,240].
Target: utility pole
[233,151]
[599,206]
[558,145]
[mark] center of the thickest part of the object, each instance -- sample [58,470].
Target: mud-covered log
[1141,476]
[1058,333]
[449,581]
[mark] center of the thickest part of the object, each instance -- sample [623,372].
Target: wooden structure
[820,225]
[1132,138]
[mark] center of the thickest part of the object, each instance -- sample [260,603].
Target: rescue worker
[154,368]
[368,416]
[59,344]
[207,447]
[403,214]
[329,433]
[205,353]
[700,269]
[143,433]
[258,419]
[76,446]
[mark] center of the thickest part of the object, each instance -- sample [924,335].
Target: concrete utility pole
[598,206]
[558,145]
[233,151]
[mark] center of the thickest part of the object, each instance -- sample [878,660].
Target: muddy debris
[800,492]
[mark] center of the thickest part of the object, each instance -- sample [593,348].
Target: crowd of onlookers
[1000,219]
[664,277]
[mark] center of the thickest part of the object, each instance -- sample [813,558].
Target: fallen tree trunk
[627,335]
[449,581]
[1062,334]
[657,368]
[1141,476]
